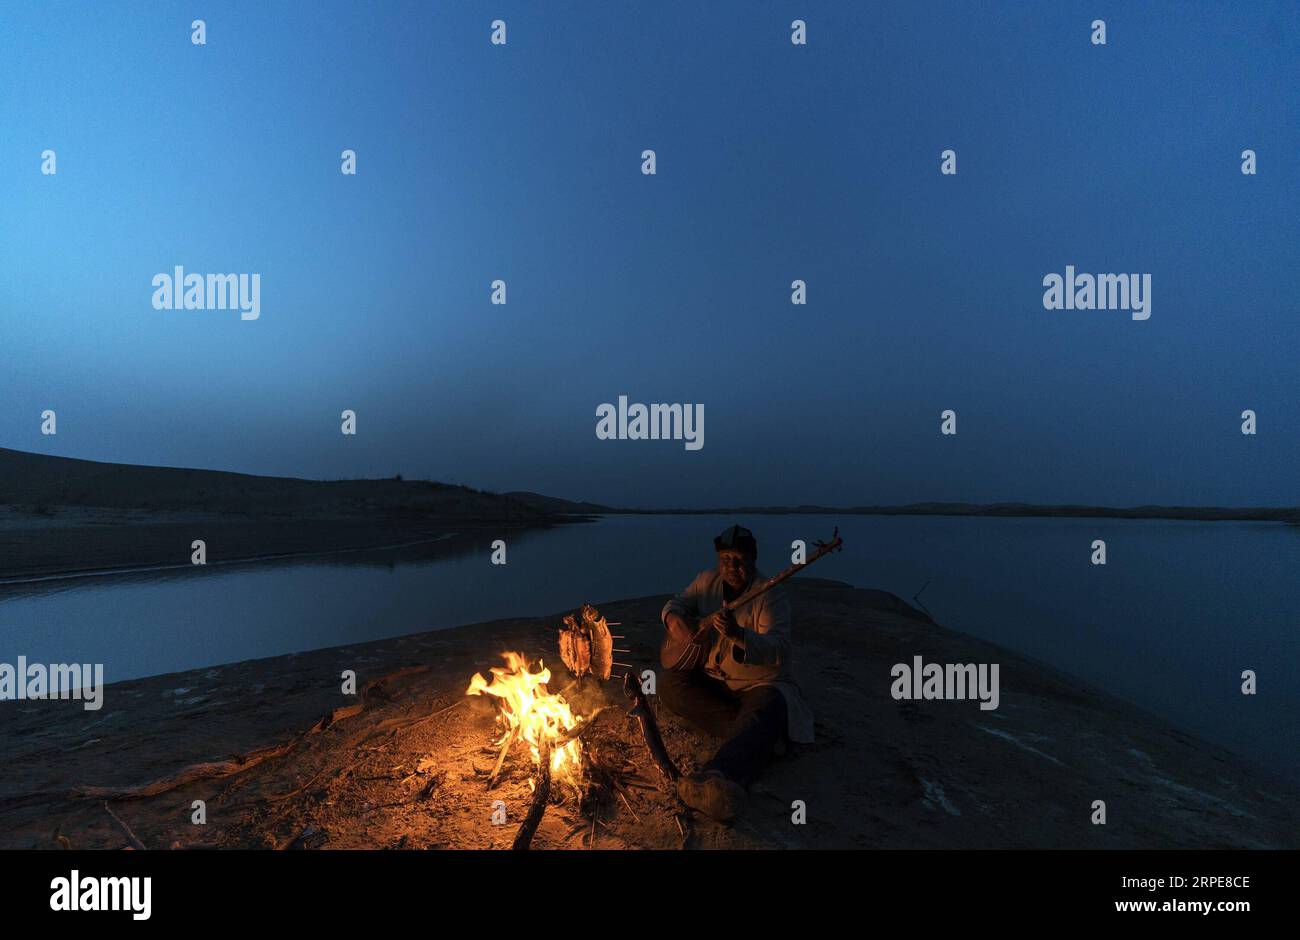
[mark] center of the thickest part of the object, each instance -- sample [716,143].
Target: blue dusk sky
[776,162]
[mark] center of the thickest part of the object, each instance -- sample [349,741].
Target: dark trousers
[751,722]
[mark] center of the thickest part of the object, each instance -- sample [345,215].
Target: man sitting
[744,691]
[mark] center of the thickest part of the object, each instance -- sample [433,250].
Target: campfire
[541,718]
[567,762]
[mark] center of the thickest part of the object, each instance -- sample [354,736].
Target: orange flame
[538,714]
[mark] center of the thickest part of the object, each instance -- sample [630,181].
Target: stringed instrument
[684,655]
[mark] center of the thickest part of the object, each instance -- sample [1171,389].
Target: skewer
[629,807]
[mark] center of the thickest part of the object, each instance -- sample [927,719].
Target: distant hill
[1203,513]
[556,504]
[1290,514]
[40,483]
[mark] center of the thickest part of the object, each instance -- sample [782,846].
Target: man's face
[736,568]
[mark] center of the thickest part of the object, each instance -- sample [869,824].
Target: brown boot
[713,795]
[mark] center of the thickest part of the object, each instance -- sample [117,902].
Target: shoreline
[1284,516]
[37,548]
[883,773]
[65,515]
[124,544]
[148,569]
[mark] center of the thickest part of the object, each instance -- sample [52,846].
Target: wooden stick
[541,796]
[131,837]
[629,806]
[501,758]
[447,709]
[685,831]
[574,733]
[293,793]
[404,723]
[650,730]
[190,774]
[371,688]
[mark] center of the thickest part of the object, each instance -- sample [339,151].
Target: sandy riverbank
[883,773]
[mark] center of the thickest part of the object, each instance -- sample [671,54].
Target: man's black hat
[736,538]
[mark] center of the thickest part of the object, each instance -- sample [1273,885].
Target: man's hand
[724,621]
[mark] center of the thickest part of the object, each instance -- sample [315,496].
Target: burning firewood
[511,737]
[537,716]
[569,762]
[541,796]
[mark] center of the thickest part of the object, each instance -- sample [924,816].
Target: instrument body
[683,655]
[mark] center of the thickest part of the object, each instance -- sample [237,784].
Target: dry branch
[541,796]
[204,771]
[650,730]
[292,793]
[401,724]
[579,730]
[131,836]
[370,688]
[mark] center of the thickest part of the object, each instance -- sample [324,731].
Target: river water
[1170,622]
